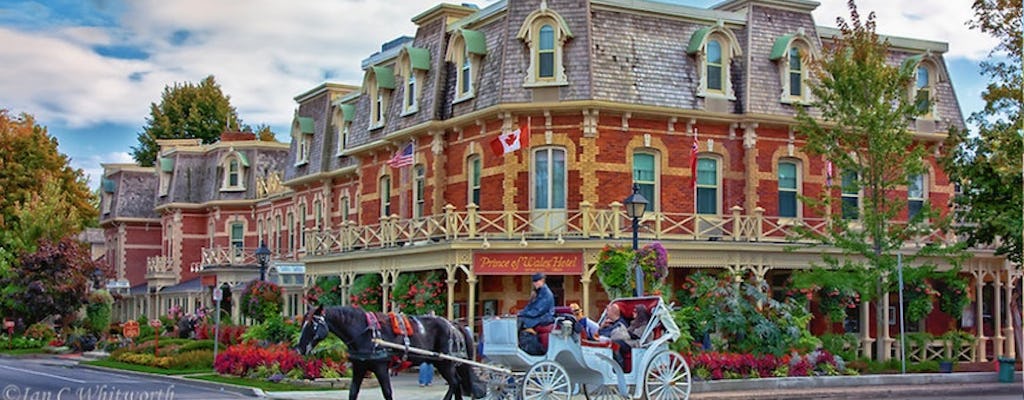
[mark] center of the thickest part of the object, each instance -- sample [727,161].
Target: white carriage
[574,366]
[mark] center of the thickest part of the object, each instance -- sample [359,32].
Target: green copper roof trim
[781,46]
[418,58]
[348,112]
[166,164]
[243,158]
[306,124]
[697,40]
[475,41]
[108,185]
[385,77]
[912,61]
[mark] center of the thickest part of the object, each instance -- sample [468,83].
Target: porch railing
[586,222]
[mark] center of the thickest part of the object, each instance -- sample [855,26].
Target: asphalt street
[54,379]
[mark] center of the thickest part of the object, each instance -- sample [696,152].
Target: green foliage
[273,329]
[918,295]
[745,318]
[862,108]
[326,292]
[38,184]
[988,163]
[420,293]
[20,342]
[953,296]
[838,290]
[615,269]
[40,331]
[186,110]
[197,345]
[843,345]
[261,300]
[366,292]
[53,279]
[98,311]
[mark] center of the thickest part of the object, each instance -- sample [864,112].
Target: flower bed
[275,362]
[174,354]
[716,366]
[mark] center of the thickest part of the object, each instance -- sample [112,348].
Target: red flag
[828,173]
[693,160]
[512,141]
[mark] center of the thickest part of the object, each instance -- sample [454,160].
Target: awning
[305,124]
[348,112]
[108,185]
[418,58]
[781,47]
[475,41]
[385,77]
[166,164]
[697,40]
[243,158]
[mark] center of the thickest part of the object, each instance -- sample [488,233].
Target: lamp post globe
[262,257]
[636,206]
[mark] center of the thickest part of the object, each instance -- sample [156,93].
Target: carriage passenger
[614,328]
[587,325]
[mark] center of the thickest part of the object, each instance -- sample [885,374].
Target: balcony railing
[160,267]
[587,222]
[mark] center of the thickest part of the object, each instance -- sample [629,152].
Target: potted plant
[615,269]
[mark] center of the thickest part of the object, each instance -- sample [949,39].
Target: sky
[88,70]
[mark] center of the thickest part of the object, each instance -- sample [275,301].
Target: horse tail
[471,384]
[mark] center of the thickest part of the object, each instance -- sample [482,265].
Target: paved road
[53,379]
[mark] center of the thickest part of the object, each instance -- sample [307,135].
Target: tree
[53,279]
[42,195]
[186,111]
[989,164]
[864,109]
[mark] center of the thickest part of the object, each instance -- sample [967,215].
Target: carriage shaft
[434,354]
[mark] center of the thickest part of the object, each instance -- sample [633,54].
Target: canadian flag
[512,141]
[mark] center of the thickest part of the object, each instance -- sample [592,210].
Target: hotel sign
[551,263]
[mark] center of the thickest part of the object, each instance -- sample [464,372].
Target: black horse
[434,334]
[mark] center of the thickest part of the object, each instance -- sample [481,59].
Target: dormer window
[344,114]
[302,136]
[233,166]
[466,50]
[379,83]
[924,91]
[714,47]
[413,64]
[545,33]
[108,187]
[793,53]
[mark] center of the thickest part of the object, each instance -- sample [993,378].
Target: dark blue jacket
[540,311]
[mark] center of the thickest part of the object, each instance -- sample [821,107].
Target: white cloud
[943,21]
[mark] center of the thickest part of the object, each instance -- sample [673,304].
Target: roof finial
[543,4]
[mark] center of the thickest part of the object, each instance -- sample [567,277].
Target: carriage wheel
[546,380]
[667,377]
[605,392]
[500,386]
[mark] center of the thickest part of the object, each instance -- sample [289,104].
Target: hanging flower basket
[615,269]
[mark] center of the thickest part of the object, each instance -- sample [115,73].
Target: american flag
[402,158]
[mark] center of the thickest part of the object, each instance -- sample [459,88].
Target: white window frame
[108,199]
[550,150]
[464,83]
[300,229]
[844,194]
[806,52]
[165,183]
[930,75]
[730,50]
[530,34]
[343,132]
[412,83]
[384,190]
[473,179]
[291,231]
[379,99]
[922,197]
[344,208]
[653,203]
[233,242]
[717,186]
[797,190]
[419,191]
[239,174]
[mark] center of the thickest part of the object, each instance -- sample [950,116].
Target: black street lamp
[636,206]
[97,276]
[262,256]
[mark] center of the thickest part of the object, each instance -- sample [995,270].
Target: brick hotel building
[604,93]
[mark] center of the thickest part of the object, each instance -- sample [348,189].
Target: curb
[242,390]
[791,383]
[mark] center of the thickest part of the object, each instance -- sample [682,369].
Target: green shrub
[196,345]
[843,345]
[41,331]
[98,311]
[274,329]
[196,359]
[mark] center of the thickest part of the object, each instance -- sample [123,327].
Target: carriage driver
[541,309]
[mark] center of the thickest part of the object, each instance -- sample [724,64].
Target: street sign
[130,329]
[218,294]
[155,323]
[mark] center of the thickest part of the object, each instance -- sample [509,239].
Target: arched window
[410,92]
[385,196]
[714,67]
[291,231]
[237,235]
[549,178]
[796,73]
[413,64]
[233,172]
[916,195]
[418,190]
[850,195]
[473,178]
[545,33]
[465,74]
[789,189]
[923,97]
[645,175]
[378,84]
[707,185]
[233,166]
[344,209]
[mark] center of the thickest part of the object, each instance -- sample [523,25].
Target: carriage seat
[543,333]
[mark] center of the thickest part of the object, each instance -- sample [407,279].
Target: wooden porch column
[471,306]
[980,318]
[1010,346]
[585,282]
[866,342]
[997,315]
[884,334]
[450,271]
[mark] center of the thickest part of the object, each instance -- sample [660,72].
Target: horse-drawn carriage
[574,365]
